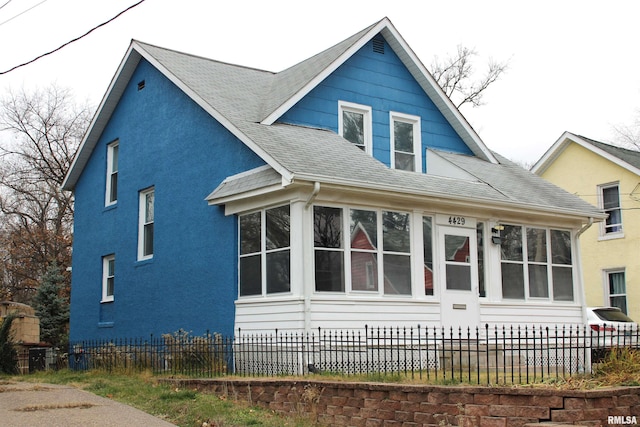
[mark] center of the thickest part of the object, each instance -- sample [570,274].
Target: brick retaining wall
[375,404]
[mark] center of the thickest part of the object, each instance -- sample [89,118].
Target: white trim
[142,222]
[367,118]
[106,276]
[111,148]
[395,116]
[417,70]
[563,142]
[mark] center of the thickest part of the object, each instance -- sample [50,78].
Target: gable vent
[378,44]
[141,85]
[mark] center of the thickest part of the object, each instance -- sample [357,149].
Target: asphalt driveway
[29,404]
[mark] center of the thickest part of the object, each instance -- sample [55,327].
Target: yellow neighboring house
[608,177]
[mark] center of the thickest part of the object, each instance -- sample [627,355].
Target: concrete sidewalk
[29,404]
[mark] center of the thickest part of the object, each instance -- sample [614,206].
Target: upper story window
[374,256]
[406,145]
[108,277]
[536,263]
[354,124]
[265,252]
[112,174]
[610,203]
[146,222]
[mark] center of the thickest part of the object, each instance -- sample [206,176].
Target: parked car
[609,327]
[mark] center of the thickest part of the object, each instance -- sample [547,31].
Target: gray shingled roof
[241,98]
[630,156]
[318,155]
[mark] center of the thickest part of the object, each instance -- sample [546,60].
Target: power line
[21,13]
[8,1]
[73,40]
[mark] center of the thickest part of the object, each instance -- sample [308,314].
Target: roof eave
[515,206]
[563,142]
[102,115]
[419,72]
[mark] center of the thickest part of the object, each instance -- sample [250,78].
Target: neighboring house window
[265,241]
[108,277]
[146,222]
[354,124]
[371,263]
[406,146]
[617,290]
[427,242]
[535,263]
[112,174]
[610,203]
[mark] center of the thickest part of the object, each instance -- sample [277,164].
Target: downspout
[583,298]
[585,228]
[314,193]
[307,289]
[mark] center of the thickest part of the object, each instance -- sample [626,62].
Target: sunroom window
[368,263]
[265,252]
[534,269]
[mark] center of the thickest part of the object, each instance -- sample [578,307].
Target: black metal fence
[486,355]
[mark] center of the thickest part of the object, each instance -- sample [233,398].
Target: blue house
[344,191]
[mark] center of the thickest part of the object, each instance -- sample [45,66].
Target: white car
[610,327]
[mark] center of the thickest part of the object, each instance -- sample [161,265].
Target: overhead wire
[21,13]
[8,1]
[73,40]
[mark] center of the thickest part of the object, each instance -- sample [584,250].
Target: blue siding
[170,143]
[382,82]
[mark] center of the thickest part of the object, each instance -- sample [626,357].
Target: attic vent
[378,44]
[141,85]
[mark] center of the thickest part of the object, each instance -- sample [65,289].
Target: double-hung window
[146,224]
[108,277]
[536,263]
[354,124]
[111,196]
[617,290]
[610,203]
[265,252]
[405,142]
[374,255]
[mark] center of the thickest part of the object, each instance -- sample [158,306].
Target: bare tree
[41,132]
[455,76]
[628,136]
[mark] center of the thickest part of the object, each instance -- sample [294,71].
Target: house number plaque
[455,220]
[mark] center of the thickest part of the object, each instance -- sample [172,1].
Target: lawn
[183,407]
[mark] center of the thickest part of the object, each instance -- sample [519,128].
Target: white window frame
[365,110]
[549,264]
[263,254]
[112,172]
[143,223]
[607,292]
[417,140]
[107,276]
[604,234]
[379,251]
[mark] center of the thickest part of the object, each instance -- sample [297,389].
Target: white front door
[458,278]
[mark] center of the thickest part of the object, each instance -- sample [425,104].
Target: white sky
[574,65]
